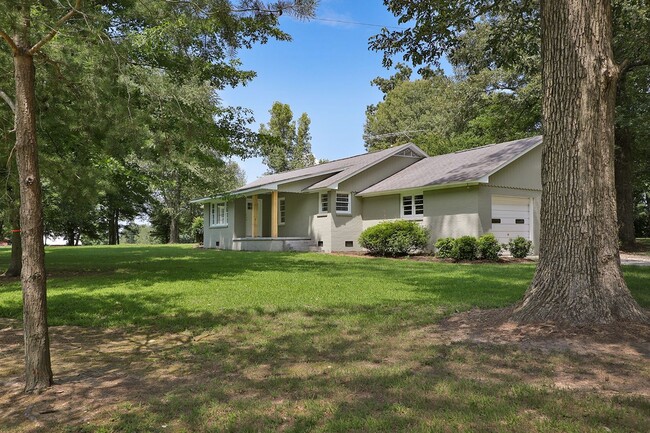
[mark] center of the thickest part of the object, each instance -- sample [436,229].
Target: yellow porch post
[274,214]
[254,218]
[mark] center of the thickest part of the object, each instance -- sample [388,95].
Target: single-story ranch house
[494,188]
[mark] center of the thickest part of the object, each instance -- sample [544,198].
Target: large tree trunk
[578,279]
[114,227]
[15,264]
[174,233]
[38,370]
[624,191]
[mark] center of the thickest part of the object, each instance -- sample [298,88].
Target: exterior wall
[376,173]
[320,227]
[524,173]
[452,212]
[380,208]
[522,178]
[300,209]
[223,235]
[485,208]
[347,227]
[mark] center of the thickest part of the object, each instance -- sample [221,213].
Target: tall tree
[578,279]
[203,36]
[288,145]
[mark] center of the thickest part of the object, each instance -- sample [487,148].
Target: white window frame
[282,211]
[349,201]
[320,202]
[414,214]
[218,214]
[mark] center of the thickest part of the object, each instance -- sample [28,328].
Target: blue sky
[325,71]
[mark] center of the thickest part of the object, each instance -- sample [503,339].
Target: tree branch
[8,100]
[10,42]
[626,66]
[47,38]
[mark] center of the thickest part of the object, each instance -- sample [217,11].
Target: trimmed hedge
[465,248]
[444,248]
[394,238]
[520,247]
[486,247]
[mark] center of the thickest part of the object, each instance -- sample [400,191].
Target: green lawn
[314,342]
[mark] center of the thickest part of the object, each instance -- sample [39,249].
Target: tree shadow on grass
[341,368]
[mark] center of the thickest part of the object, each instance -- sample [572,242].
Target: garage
[510,217]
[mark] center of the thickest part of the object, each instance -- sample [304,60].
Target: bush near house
[486,247]
[444,248]
[394,238]
[519,247]
[465,248]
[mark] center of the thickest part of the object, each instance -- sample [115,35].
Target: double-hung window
[282,211]
[412,205]
[343,203]
[218,214]
[323,202]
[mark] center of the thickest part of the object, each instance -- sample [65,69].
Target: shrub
[465,248]
[488,247]
[394,238]
[444,247]
[519,247]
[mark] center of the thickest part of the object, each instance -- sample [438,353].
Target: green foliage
[488,247]
[465,248]
[444,248]
[394,238]
[520,247]
[288,145]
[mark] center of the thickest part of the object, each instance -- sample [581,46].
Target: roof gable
[467,166]
[339,170]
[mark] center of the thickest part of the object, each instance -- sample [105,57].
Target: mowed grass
[312,342]
[178,287]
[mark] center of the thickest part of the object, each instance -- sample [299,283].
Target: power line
[330,20]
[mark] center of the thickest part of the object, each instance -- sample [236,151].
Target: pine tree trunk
[38,370]
[15,264]
[578,279]
[624,191]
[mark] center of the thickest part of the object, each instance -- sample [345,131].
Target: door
[510,217]
[249,217]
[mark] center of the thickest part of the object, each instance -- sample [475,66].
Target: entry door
[510,217]
[249,217]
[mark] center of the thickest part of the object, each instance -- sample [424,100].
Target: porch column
[274,214]
[254,217]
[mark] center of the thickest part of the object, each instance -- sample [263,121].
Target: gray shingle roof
[465,166]
[339,169]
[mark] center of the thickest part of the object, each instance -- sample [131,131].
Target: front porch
[273,244]
[273,221]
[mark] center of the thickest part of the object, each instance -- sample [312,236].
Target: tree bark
[578,279]
[174,229]
[38,370]
[15,264]
[624,191]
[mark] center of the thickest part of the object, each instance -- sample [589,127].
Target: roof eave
[424,188]
[335,185]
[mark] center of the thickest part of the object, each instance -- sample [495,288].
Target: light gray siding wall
[320,228]
[347,227]
[381,208]
[376,173]
[300,209]
[223,235]
[522,178]
[525,172]
[452,212]
[485,207]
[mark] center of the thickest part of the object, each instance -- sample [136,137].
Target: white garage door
[510,217]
